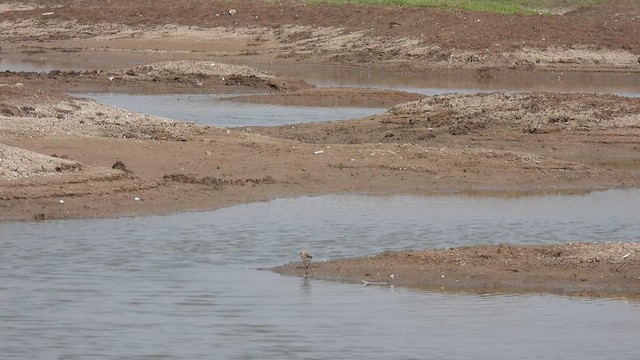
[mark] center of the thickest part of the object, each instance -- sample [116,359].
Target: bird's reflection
[305,287]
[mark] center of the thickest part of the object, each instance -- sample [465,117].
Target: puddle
[182,286]
[433,83]
[463,81]
[612,162]
[38,65]
[212,109]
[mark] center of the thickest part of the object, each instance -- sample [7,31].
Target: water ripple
[182,286]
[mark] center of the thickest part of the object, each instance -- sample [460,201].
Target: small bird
[306,259]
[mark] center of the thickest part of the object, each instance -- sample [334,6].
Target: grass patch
[524,7]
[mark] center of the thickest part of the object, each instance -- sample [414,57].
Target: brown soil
[63,157]
[606,36]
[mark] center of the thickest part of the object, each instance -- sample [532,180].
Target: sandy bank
[582,269]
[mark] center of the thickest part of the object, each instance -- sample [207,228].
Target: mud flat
[524,142]
[580,269]
[64,157]
[602,37]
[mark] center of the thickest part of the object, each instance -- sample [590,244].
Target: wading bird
[306,259]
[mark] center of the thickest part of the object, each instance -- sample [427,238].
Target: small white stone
[136,198]
[61,201]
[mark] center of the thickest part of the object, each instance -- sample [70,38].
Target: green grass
[526,7]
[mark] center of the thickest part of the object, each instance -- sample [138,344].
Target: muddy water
[212,109]
[431,83]
[33,65]
[463,81]
[184,286]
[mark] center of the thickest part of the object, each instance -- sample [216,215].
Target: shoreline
[484,143]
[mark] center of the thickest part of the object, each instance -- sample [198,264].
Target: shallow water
[212,109]
[34,65]
[184,286]
[461,81]
[433,83]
